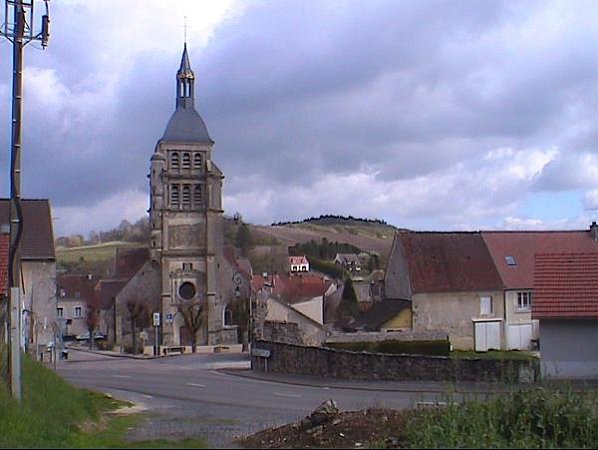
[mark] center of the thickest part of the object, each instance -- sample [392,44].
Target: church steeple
[185,91]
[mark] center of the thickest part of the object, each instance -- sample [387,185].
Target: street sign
[260,352]
[169,318]
[156,321]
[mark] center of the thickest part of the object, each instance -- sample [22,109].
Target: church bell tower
[186,216]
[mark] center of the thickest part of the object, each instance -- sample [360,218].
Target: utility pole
[20,33]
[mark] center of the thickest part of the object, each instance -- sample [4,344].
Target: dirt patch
[366,428]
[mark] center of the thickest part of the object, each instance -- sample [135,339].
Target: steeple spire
[185,82]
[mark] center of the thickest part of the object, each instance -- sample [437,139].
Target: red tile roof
[77,286]
[565,286]
[448,262]
[298,260]
[4,247]
[293,289]
[524,245]
[38,235]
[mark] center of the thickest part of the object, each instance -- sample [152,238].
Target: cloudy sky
[428,114]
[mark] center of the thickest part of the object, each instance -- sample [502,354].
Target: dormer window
[174,160]
[174,195]
[186,161]
[197,161]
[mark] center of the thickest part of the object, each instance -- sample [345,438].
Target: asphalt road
[190,395]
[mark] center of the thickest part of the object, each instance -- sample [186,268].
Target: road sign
[260,352]
[156,321]
[169,318]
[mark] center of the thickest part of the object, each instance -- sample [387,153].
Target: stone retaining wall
[329,363]
[377,336]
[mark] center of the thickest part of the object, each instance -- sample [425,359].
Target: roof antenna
[185,32]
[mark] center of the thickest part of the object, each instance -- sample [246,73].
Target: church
[188,265]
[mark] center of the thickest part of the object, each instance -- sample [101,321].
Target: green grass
[54,414]
[99,252]
[535,418]
[513,355]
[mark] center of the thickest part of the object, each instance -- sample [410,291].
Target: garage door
[519,337]
[487,336]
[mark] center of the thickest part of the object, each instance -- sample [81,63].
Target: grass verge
[54,414]
[535,418]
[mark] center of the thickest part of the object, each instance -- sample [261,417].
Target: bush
[326,267]
[430,348]
[536,418]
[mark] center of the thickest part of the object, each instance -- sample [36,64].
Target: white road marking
[147,396]
[280,394]
[325,387]
[196,385]
[122,376]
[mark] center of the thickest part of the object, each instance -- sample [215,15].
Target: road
[190,395]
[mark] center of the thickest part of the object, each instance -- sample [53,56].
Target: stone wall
[377,336]
[328,363]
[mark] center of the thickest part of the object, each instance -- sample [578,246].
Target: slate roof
[38,236]
[4,246]
[565,286]
[380,313]
[522,246]
[444,262]
[107,290]
[186,125]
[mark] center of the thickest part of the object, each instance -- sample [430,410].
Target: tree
[139,317]
[92,320]
[349,306]
[244,240]
[239,308]
[193,316]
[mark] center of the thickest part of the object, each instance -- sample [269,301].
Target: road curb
[112,354]
[249,374]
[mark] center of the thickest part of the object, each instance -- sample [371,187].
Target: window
[198,196]
[59,312]
[228,316]
[485,306]
[187,291]
[197,161]
[510,261]
[186,195]
[524,301]
[78,311]
[186,161]
[187,266]
[174,160]
[174,195]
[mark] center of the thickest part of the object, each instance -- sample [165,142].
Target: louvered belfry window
[174,195]
[186,196]
[174,160]
[198,196]
[197,161]
[186,161]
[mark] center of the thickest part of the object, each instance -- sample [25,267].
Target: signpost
[156,322]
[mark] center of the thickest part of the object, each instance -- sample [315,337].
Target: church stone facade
[186,219]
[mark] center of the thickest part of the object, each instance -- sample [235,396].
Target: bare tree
[92,320]
[139,317]
[239,308]
[193,316]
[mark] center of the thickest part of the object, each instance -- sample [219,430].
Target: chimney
[594,231]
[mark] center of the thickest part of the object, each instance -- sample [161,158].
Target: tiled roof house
[566,304]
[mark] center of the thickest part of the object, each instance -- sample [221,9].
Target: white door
[519,336]
[487,336]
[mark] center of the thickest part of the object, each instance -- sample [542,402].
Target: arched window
[186,196]
[174,195]
[228,316]
[186,161]
[197,161]
[198,196]
[174,160]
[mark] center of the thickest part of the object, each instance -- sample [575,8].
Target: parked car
[97,336]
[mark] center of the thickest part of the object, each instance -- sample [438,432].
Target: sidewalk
[400,386]
[111,353]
